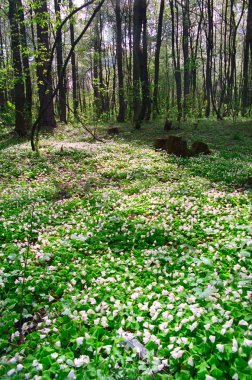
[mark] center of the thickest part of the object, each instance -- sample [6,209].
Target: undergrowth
[125,242]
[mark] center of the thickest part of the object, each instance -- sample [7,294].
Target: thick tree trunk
[157,56]
[59,51]
[122,105]
[21,125]
[47,121]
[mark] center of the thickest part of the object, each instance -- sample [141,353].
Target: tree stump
[198,147]
[113,130]
[249,182]
[167,125]
[172,145]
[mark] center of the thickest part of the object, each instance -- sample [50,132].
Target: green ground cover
[106,242]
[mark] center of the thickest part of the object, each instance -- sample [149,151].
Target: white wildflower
[234,345]
[190,361]
[19,367]
[71,375]
[220,347]
[247,342]
[212,338]
[177,353]
[79,362]
[79,340]
[243,323]
[11,372]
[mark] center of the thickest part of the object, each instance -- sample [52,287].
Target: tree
[59,51]
[141,90]
[44,77]
[157,57]
[186,23]
[74,65]
[246,94]
[25,62]
[21,123]
[176,56]
[119,56]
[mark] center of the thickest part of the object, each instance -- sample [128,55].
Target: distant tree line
[137,60]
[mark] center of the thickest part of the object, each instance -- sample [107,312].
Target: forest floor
[102,243]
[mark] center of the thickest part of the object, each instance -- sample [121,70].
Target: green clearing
[126,240]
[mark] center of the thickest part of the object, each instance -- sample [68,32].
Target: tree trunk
[74,66]
[122,105]
[186,22]
[26,66]
[146,99]
[47,121]
[137,30]
[246,97]
[59,51]
[209,41]
[3,99]
[21,125]
[157,56]
[176,60]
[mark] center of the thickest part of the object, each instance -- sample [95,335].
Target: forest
[126,189]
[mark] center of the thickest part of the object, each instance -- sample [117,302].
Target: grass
[126,243]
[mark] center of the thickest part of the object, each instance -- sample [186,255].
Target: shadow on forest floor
[230,163]
[230,142]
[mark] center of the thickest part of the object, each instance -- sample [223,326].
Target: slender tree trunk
[96,66]
[3,99]
[157,56]
[21,125]
[137,29]
[119,54]
[246,98]
[186,22]
[59,51]
[176,59]
[26,66]
[47,120]
[144,76]
[74,66]
[209,41]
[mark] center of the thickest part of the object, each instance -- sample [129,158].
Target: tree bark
[137,30]
[3,98]
[246,97]
[157,56]
[144,76]
[74,67]
[119,54]
[26,66]
[47,120]
[209,41]
[176,59]
[21,125]
[59,51]
[186,22]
